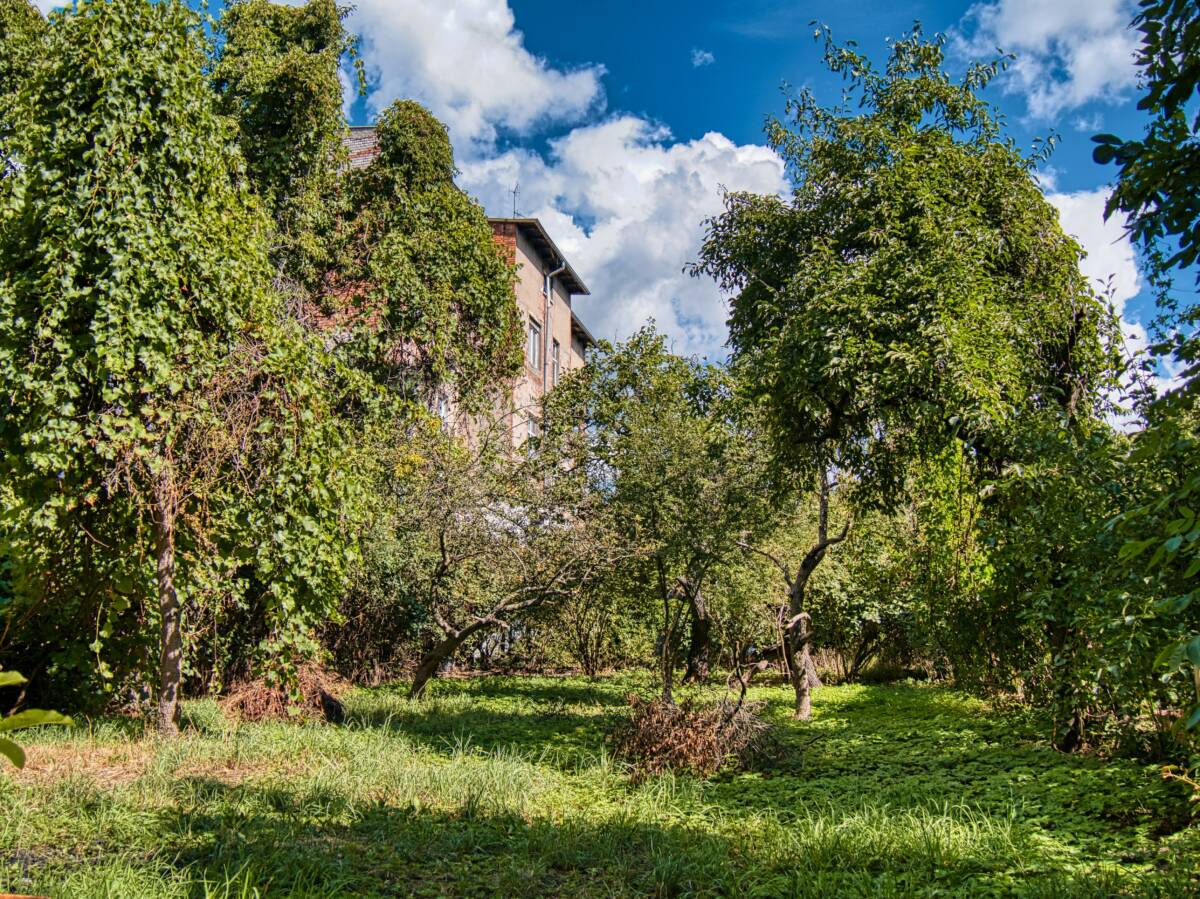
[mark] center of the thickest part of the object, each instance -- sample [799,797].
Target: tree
[1157,191]
[417,265]
[498,536]
[277,76]
[795,620]
[915,290]
[149,377]
[656,436]
[1158,174]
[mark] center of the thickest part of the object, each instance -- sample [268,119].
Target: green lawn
[503,787]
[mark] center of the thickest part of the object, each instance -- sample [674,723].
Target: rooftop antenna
[516,189]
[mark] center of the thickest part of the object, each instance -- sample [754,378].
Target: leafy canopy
[915,288]
[147,369]
[419,257]
[277,75]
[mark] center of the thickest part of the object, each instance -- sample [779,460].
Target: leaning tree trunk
[433,660]
[171,640]
[699,639]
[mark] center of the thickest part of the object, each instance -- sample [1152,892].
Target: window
[555,363]
[441,407]
[532,430]
[533,346]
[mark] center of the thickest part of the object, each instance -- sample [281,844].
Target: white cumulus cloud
[623,199]
[702,58]
[627,205]
[467,61]
[1111,263]
[1111,266]
[1069,52]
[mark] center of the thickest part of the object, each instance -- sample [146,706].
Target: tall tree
[149,377]
[1158,190]
[915,290]
[277,75]
[417,265]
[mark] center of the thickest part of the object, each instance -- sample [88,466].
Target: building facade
[556,340]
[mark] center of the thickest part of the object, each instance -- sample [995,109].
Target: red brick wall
[505,234]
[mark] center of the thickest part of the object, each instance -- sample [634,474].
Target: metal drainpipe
[548,292]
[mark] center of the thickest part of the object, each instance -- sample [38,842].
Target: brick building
[556,340]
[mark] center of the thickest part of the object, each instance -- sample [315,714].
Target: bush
[312,695]
[662,736]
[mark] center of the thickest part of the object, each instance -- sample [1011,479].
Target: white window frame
[533,429]
[555,362]
[533,343]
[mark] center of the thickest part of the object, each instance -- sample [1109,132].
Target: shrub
[664,736]
[311,695]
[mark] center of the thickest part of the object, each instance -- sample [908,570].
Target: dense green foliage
[504,786]
[913,320]
[418,260]
[160,410]
[1158,174]
[277,78]
[677,472]
[220,350]
[1156,189]
[197,405]
[21,29]
[915,289]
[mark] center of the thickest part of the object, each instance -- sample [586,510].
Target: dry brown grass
[104,765]
[662,736]
[256,700]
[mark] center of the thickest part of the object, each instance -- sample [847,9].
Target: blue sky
[755,46]
[622,121]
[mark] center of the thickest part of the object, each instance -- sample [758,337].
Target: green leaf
[1134,548]
[11,679]
[1193,651]
[1194,719]
[12,752]
[33,718]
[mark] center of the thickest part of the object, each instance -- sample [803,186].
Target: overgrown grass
[504,787]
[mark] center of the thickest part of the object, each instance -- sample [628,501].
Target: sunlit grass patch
[507,787]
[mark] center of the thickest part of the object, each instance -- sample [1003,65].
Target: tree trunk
[799,630]
[433,659]
[803,669]
[171,640]
[668,665]
[666,657]
[699,639]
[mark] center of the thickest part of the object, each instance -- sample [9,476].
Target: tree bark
[803,669]
[171,639]
[699,639]
[799,630]
[433,659]
[666,657]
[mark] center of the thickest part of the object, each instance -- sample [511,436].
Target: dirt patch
[106,766]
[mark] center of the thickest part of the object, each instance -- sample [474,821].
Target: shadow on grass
[239,840]
[532,733]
